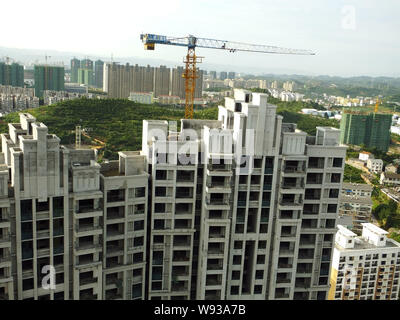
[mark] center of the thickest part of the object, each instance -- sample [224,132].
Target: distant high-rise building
[223,75]
[213,75]
[120,80]
[98,73]
[85,76]
[372,130]
[178,82]
[148,79]
[75,65]
[231,75]
[87,64]
[48,77]
[11,74]
[198,91]
[161,81]
[289,86]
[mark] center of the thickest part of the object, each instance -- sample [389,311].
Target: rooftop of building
[355,199]
[357,186]
[361,243]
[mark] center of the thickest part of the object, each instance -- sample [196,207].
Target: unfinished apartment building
[59,207]
[172,211]
[264,227]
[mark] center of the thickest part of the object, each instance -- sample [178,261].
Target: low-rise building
[391,168]
[356,207]
[357,189]
[366,267]
[142,97]
[375,165]
[390,178]
[364,156]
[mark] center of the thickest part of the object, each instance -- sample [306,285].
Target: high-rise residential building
[11,74]
[224,232]
[289,86]
[231,75]
[98,73]
[178,82]
[243,207]
[85,76]
[75,65]
[213,75]
[87,64]
[365,267]
[62,209]
[223,75]
[148,79]
[48,77]
[120,80]
[161,81]
[372,130]
[198,90]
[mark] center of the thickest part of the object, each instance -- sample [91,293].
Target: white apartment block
[375,165]
[391,179]
[366,267]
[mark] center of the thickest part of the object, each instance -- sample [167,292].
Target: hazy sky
[350,37]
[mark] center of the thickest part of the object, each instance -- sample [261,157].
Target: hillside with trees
[118,122]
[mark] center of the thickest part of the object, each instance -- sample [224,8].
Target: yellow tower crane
[191,60]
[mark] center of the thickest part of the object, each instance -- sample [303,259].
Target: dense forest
[118,122]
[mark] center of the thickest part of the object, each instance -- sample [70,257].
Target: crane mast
[191,60]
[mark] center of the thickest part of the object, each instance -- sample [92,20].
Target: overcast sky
[350,37]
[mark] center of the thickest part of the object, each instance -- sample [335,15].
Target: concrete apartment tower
[260,230]
[243,207]
[161,81]
[177,82]
[60,208]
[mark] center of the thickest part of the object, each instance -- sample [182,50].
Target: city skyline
[350,39]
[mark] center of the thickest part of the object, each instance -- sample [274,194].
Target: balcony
[87,246]
[293,169]
[281,295]
[88,228]
[283,280]
[86,281]
[43,234]
[284,265]
[43,252]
